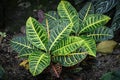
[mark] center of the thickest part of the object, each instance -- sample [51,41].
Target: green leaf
[85,11]
[116,20]
[100,34]
[103,6]
[26,52]
[89,45]
[2,73]
[38,61]
[36,33]
[69,59]
[61,30]
[52,17]
[67,45]
[69,13]
[114,75]
[20,43]
[92,22]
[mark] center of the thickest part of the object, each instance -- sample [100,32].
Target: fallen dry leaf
[24,64]
[106,46]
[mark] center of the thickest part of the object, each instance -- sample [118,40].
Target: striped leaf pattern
[89,45]
[20,43]
[100,34]
[67,12]
[103,6]
[70,59]
[61,30]
[26,52]
[38,61]
[92,22]
[85,11]
[67,45]
[116,20]
[52,17]
[36,33]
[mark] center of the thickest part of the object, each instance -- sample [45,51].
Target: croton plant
[65,37]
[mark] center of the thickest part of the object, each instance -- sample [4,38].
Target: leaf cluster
[65,36]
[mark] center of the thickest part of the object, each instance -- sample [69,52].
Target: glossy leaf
[100,34]
[36,33]
[69,59]
[89,45]
[67,12]
[38,61]
[67,45]
[20,43]
[52,17]
[103,6]
[92,22]
[85,11]
[61,30]
[26,52]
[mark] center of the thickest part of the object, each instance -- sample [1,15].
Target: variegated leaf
[71,44]
[92,22]
[20,43]
[61,30]
[103,6]
[52,18]
[38,61]
[69,13]
[100,34]
[36,33]
[116,19]
[85,11]
[89,45]
[69,59]
[67,45]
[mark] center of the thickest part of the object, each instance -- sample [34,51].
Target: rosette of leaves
[55,40]
[85,22]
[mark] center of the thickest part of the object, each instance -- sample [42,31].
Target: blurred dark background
[13,13]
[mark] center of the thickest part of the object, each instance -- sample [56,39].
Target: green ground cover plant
[65,37]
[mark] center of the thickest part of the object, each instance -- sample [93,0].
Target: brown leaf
[24,64]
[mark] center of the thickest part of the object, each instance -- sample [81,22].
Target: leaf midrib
[50,16]
[85,43]
[99,35]
[66,11]
[40,57]
[71,54]
[37,35]
[22,44]
[87,11]
[91,25]
[68,45]
[59,36]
